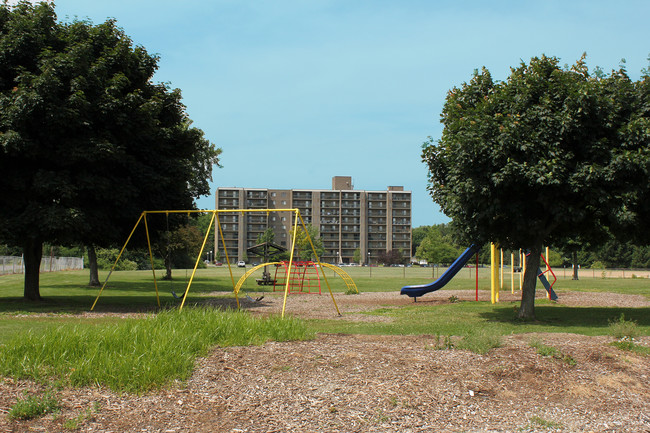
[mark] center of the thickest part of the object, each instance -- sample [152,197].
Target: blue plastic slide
[416,291]
[546,284]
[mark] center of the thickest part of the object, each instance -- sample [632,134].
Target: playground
[373,380]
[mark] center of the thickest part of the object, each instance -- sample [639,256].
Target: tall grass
[136,355]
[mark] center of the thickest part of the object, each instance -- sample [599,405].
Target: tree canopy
[551,154]
[436,247]
[87,139]
[303,248]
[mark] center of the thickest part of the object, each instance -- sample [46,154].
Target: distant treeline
[436,244]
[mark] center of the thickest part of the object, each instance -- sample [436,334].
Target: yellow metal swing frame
[215,216]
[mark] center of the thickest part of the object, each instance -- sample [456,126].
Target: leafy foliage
[87,140]
[548,156]
[437,246]
[392,257]
[303,248]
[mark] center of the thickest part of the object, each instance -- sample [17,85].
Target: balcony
[301,196]
[329,212]
[350,204]
[256,194]
[257,203]
[401,197]
[329,196]
[302,203]
[227,194]
[229,203]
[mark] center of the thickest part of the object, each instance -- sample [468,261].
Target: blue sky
[296,92]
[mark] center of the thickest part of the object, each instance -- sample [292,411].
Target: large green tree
[528,162]
[87,139]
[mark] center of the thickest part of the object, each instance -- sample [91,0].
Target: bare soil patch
[360,383]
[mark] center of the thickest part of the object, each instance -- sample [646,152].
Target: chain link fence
[16,265]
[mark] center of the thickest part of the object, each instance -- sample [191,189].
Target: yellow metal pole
[493,276]
[153,268]
[501,270]
[116,260]
[318,261]
[225,251]
[512,272]
[521,265]
[198,259]
[286,286]
[548,266]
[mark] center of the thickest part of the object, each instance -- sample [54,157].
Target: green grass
[464,318]
[68,291]
[551,352]
[33,406]
[537,422]
[135,355]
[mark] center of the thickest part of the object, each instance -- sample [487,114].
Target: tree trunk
[574,259]
[92,265]
[168,268]
[527,308]
[32,253]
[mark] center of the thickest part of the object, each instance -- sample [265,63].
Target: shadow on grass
[115,303]
[567,317]
[178,284]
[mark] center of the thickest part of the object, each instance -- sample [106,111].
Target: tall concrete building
[347,219]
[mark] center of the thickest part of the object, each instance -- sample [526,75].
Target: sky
[296,92]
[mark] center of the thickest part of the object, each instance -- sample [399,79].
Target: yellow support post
[320,266]
[198,259]
[501,268]
[512,273]
[153,268]
[286,286]
[225,251]
[116,260]
[493,273]
[521,273]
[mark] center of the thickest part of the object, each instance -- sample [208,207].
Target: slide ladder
[548,286]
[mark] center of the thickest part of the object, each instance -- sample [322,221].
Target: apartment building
[347,219]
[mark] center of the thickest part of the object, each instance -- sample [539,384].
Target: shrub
[622,329]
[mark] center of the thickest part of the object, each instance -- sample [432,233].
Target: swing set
[289,278]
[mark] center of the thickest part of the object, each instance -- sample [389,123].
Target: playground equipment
[419,290]
[266,250]
[296,278]
[303,276]
[496,275]
[215,216]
